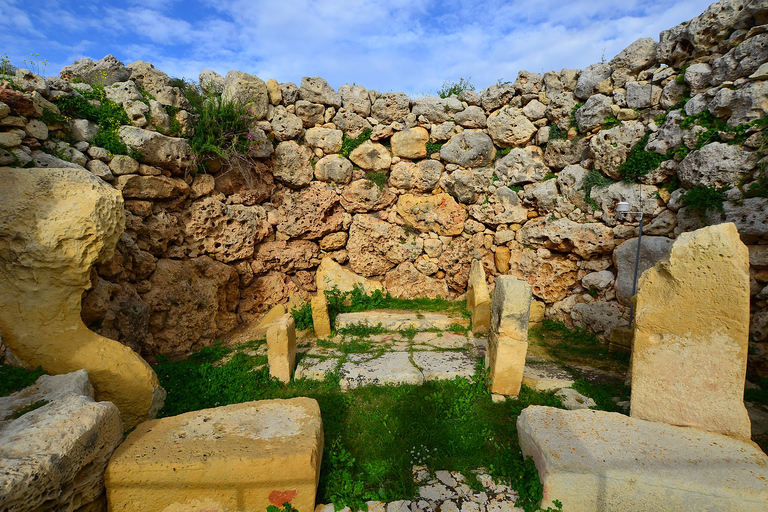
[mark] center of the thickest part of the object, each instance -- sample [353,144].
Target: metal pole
[637,264]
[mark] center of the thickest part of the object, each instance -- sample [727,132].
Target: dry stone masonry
[522,177]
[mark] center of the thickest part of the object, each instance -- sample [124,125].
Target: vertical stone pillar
[508,334]
[691,330]
[281,348]
[320,318]
[478,298]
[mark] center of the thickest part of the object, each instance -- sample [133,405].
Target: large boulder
[599,317]
[54,456]
[653,250]
[172,153]
[391,107]
[565,235]
[509,127]
[604,461]
[551,276]
[331,275]
[469,149]
[593,113]
[411,143]
[406,282]
[55,224]
[292,164]
[691,330]
[376,246]
[466,184]
[436,110]
[610,148]
[362,196]
[248,91]
[631,60]
[438,213]
[508,335]
[503,207]
[421,177]
[310,213]
[317,90]
[716,165]
[105,71]
[590,79]
[522,166]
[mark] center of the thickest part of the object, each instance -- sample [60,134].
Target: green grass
[14,379]
[576,345]
[223,129]
[434,147]
[374,435]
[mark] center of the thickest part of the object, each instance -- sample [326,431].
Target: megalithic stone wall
[508,335]
[55,224]
[690,349]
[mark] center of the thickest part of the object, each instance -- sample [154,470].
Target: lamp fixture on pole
[622,209]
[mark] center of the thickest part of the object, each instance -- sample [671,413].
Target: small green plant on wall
[455,88]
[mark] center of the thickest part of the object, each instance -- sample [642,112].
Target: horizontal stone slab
[397,321]
[601,461]
[238,457]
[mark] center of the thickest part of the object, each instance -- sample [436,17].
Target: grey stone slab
[390,368]
[395,321]
[445,365]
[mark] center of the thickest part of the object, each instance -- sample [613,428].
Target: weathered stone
[543,195]
[292,164]
[741,61]
[750,216]
[501,258]
[334,168]
[598,280]
[473,117]
[653,250]
[45,160]
[391,107]
[247,183]
[587,84]
[691,334]
[411,143]
[716,165]
[82,129]
[421,177]
[281,348]
[642,95]
[509,127]
[593,113]
[496,96]
[323,138]
[106,71]
[466,184]
[564,235]
[355,99]
[469,149]
[444,131]
[156,149]
[478,299]
[364,195]
[100,169]
[274,446]
[561,153]
[522,166]
[438,213]
[371,156]
[320,318]
[634,58]
[508,335]
[669,137]
[741,106]
[317,90]
[248,91]
[284,256]
[151,187]
[376,246]
[550,278]
[55,455]
[599,317]
[332,275]
[286,126]
[641,197]
[457,256]
[192,303]
[406,282]
[573,400]
[55,224]
[503,207]
[436,110]
[582,459]
[350,123]
[610,148]
[263,293]
[310,213]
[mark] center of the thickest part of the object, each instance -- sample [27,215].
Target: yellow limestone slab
[320,318]
[478,298]
[508,335]
[55,224]
[228,459]
[281,348]
[691,328]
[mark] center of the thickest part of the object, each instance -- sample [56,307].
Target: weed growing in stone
[348,144]
[302,316]
[640,162]
[455,88]
[434,147]
[378,178]
[701,200]
[594,179]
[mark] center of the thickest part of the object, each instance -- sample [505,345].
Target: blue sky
[411,46]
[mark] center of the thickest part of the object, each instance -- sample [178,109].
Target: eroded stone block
[478,298]
[281,348]
[508,335]
[238,457]
[320,318]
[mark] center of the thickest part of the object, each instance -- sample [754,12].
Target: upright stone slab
[597,461]
[55,224]
[478,298]
[245,456]
[691,332]
[320,318]
[281,348]
[508,335]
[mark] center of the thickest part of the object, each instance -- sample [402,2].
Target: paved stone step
[602,461]
[398,321]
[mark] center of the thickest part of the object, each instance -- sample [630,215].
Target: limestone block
[332,275]
[55,224]
[53,457]
[320,317]
[478,298]
[691,330]
[603,461]
[439,213]
[281,348]
[239,457]
[508,334]
[537,313]
[410,143]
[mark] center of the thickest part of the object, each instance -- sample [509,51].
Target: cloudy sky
[412,46]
